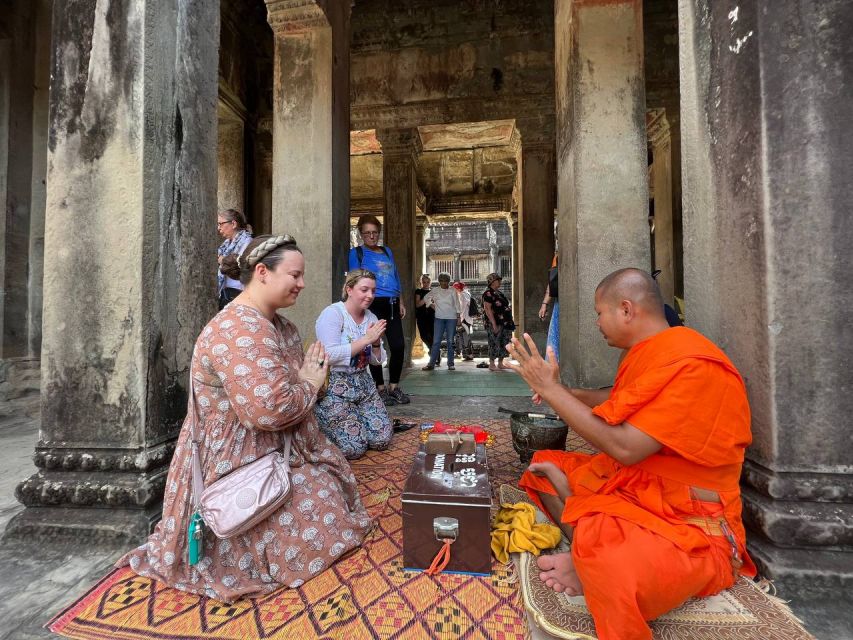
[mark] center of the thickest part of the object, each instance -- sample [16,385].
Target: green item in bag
[195,539]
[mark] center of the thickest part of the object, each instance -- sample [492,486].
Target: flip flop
[483,365]
[398,426]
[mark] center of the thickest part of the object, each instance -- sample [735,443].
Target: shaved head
[634,285]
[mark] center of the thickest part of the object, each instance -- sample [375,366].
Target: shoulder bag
[238,501]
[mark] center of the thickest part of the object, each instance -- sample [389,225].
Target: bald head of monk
[629,307]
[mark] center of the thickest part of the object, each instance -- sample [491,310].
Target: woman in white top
[351,414]
[447,317]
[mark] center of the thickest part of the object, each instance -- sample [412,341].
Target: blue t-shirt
[387,279]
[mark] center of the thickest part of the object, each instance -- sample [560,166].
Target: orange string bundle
[441,559]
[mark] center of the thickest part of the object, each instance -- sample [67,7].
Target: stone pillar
[400,149]
[512,219]
[17,54]
[230,192]
[767,146]
[128,280]
[535,161]
[601,169]
[418,347]
[38,182]
[311,177]
[263,179]
[420,249]
[662,179]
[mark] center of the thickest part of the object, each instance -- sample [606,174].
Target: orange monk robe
[635,552]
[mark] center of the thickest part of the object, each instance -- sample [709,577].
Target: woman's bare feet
[558,573]
[492,367]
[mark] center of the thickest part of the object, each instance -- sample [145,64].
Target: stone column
[512,219]
[601,169]
[535,161]
[418,347]
[38,188]
[263,179]
[767,146]
[662,179]
[420,249]
[400,149]
[230,165]
[129,277]
[17,54]
[311,177]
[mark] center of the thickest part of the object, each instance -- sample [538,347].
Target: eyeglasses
[219,224]
[370,233]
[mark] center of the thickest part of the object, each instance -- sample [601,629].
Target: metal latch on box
[445,528]
[446,531]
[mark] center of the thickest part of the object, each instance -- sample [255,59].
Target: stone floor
[36,581]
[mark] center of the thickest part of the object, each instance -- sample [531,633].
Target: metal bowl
[535,434]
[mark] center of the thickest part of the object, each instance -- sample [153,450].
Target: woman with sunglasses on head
[232,226]
[351,414]
[387,305]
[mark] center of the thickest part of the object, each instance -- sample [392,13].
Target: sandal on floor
[483,365]
[399,426]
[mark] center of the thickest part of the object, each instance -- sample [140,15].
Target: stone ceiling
[461,161]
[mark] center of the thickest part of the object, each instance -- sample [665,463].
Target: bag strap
[197,476]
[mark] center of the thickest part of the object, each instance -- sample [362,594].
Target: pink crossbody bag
[248,495]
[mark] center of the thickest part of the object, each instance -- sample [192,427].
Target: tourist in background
[387,305]
[499,322]
[351,414]
[231,225]
[469,312]
[424,315]
[448,316]
[251,383]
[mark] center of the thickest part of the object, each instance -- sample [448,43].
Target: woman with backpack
[387,305]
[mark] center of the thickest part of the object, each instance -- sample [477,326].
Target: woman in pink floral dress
[251,384]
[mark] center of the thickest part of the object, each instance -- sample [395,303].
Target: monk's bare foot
[558,573]
[554,474]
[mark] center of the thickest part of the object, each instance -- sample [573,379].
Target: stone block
[804,573]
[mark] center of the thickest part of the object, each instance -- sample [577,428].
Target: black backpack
[359,252]
[553,282]
[473,310]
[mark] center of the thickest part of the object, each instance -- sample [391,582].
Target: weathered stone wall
[423,62]
[127,283]
[767,147]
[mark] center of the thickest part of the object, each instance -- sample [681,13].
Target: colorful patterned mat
[366,595]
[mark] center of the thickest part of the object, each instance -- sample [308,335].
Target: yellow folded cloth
[515,529]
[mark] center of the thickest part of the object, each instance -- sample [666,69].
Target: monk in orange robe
[656,517]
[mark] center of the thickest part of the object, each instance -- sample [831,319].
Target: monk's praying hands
[538,373]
